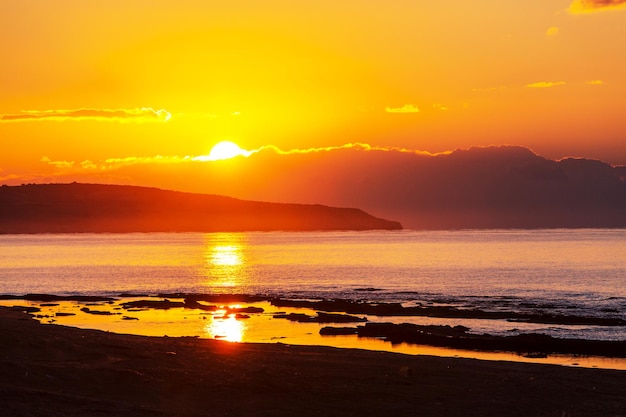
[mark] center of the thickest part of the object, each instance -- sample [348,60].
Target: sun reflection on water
[225,260]
[226,328]
[226,256]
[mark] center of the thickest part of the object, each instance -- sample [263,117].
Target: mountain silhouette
[71,208]
[491,187]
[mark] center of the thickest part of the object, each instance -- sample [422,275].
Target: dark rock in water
[156,304]
[536,355]
[338,331]
[48,304]
[129,318]
[192,303]
[458,337]
[26,309]
[406,332]
[240,316]
[320,318]
[96,312]
[338,318]
[397,309]
[368,289]
[62,314]
[298,317]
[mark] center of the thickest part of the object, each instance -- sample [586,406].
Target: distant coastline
[93,208]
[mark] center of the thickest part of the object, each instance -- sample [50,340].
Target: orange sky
[86,82]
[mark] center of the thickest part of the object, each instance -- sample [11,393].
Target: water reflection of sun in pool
[226,327]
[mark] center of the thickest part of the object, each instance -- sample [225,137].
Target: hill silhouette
[491,187]
[72,208]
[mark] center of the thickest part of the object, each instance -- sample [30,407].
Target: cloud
[358,146]
[595,82]
[111,164]
[485,89]
[545,84]
[57,164]
[553,31]
[114,164]
[407,108]
[144,114]
[589,6]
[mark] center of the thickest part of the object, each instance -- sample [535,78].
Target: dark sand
[50,370]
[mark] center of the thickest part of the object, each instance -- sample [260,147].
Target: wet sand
[52,370]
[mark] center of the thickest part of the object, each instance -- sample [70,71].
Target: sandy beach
[52,370]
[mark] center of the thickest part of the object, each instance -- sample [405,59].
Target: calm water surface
[556,271]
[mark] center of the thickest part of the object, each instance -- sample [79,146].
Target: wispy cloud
[553,31]
[143,169]
[57,164]
[353,146]
[407,108]
[589,6]
[485,89]
[595,82]
[144,114]
[545,84]
[112,164]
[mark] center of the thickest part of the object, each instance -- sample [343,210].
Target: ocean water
[563,272]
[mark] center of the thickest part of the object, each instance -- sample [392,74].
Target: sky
[87,87]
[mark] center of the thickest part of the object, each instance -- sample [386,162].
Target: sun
[226,150]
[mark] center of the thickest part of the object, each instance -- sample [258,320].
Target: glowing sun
[226,150]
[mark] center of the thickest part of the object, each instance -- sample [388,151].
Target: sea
[566,272]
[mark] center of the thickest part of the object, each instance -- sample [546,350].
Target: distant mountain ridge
[76,208]
[478,188]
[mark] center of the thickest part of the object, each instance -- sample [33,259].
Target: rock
[252,310]
[26,309]
[338,318]
[96,312]
[338,331]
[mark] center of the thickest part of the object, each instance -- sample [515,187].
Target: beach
[52,370]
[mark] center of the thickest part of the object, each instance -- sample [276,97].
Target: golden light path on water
[226,327]
[226,269]
[225,261]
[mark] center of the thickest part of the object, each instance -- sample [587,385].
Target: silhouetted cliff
[70,208]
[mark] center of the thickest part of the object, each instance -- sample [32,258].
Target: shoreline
[58,370]
[338,323]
